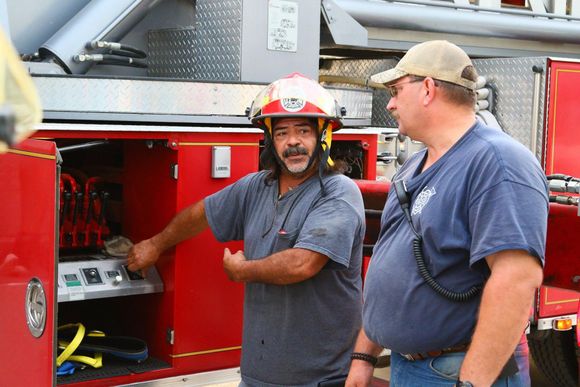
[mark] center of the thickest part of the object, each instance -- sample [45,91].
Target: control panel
[102,277]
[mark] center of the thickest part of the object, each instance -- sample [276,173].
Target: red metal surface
[561,156]
[562,251]
[557,302]
[208,305]
[563,116]
[149,203]
[28,177]
[374,196]
[519,3]
[578,327]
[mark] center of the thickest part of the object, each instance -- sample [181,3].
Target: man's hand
[233,264]
[360,374]
[142,256]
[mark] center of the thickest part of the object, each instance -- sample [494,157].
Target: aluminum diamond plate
[171,53]
[218,42]
[64,96]
[359,71]
[513,82]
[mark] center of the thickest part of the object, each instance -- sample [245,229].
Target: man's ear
[429,90]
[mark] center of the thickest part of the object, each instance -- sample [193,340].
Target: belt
[428,354]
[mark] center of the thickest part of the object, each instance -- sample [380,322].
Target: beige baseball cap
[438,59]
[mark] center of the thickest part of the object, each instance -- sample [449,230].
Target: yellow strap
[96,362]
[73,345]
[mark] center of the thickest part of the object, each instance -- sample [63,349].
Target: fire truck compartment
[131,185]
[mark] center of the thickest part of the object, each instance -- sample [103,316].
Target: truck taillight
[562,324]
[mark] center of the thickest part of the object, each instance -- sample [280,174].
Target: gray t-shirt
[486,194]
[302,333]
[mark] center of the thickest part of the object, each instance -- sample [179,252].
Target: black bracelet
[364,357]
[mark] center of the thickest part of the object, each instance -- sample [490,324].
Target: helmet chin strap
[325,155]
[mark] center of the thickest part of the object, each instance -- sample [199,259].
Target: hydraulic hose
[110,60]
[130,62]
[117,49]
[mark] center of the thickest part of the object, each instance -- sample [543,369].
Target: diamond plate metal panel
[358,103]
[513,82]
[218,41]
[172,53]
[358,71]
[67,95]
[99,95]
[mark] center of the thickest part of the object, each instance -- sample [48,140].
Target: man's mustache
[295,151]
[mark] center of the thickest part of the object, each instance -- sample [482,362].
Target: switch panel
[133,275]
[221,161]
[92,276]
[99,276]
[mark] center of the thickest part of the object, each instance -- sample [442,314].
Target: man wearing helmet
[302,225]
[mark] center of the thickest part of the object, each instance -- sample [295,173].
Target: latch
[170,336]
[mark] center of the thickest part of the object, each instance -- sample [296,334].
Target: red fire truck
[144,105]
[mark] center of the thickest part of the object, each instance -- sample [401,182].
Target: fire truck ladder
[542,28]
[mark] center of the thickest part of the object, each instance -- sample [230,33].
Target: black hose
[111,60]
[115,48]
[428,278]
[129,54]
[559,176]
[136,51]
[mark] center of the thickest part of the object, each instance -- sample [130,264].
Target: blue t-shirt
[486,194]
[303,333]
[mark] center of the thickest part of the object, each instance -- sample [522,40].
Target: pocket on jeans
[285,240]
[447,366]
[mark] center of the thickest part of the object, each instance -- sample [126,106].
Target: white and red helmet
[295,96]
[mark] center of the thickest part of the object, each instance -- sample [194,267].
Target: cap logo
[293,104]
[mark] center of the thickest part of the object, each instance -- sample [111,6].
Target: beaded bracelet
[364,357]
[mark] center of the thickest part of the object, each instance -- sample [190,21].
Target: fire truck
[144,113]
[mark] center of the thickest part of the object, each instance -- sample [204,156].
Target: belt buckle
[408,356]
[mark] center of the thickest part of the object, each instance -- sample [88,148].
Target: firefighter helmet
[295,96]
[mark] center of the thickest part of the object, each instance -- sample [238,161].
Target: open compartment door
[561,157]
[28,261]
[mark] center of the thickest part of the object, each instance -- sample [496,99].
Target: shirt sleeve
[508,216]
[335,227]
[225,211]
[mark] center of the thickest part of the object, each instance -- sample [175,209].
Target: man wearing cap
[303,226]
[461,249]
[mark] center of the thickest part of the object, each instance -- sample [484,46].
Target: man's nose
[391,104]
[293,139]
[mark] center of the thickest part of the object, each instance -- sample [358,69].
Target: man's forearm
[361,369]
[503,315]
[282,268]
[186,224]
[365,345]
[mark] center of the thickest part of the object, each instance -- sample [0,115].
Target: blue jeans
[436,372]
[522,354]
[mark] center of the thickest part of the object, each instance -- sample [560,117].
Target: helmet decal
[293,104]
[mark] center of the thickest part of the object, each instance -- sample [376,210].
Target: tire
[554,354]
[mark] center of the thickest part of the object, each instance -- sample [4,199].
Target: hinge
[174,171]
[170,336]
